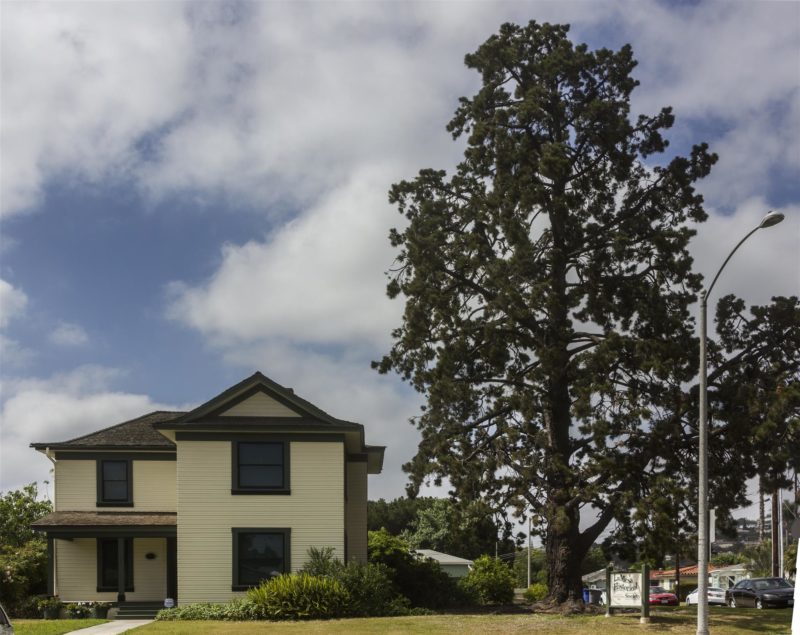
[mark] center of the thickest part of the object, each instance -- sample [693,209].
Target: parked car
[5,623]
[659,595]
[761,593]
[715,596]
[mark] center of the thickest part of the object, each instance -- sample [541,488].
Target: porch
[113,557]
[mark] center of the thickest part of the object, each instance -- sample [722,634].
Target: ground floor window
[259,554]
[108,564]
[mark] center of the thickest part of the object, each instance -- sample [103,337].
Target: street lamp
[772,218]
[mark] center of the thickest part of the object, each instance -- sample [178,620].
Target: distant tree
[23,552]
[726,559]
[439,524]
[396,516]
[538,567]
[759,558]
[546,288]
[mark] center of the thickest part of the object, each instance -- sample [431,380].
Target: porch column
[51,563]
[121,573]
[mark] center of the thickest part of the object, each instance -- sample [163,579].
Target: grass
[680,621]
[51,627]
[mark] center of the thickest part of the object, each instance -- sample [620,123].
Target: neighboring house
[688,578]
[453,566]
[198,506]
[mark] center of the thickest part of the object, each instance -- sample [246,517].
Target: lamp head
[772,218]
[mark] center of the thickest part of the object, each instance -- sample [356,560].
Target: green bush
[422,581]
[490,581]
[370,586]
[301,596]
[78,610]
[236,610]
[536,591]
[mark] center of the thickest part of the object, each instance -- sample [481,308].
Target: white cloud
[68,334]
[318,279]
[12,302]
[767,265]
[81,84]
[59,408]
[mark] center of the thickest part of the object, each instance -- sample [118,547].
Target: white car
[715,596]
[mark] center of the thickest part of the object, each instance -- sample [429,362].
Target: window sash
[260,465]
[115,483]
[258,555]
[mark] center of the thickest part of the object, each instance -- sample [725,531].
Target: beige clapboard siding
[207,511]
[153,486]
[76,571]
[260,405]
[356,511]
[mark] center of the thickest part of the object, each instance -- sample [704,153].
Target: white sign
[626,589]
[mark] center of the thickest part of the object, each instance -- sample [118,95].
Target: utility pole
[775,540]
[529,551]
[761,515]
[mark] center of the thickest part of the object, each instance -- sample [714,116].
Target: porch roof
[105,522]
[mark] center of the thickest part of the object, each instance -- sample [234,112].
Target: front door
[172,568]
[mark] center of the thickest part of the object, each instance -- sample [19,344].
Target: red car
[659,595]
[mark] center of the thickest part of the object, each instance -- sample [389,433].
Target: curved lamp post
[772,218]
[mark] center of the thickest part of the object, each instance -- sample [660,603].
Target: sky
[192,192]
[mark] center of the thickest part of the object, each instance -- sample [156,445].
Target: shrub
[301,596]
[77,610]
[536,591]
[490,581]
[236,610]
[422,581]
[372,592]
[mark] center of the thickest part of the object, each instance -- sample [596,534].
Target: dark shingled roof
[135,434]
[106,519]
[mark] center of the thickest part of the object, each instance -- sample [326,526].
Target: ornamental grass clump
[301,597]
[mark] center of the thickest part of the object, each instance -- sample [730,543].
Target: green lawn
[680,621]
[51,627]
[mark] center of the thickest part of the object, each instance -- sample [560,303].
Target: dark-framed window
[259,554]
[114,483]
[108,564]
[260,467]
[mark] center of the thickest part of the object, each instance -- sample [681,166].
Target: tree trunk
[565,552]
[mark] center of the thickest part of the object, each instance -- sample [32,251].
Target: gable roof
[143,433]
[137,433]
[214,408]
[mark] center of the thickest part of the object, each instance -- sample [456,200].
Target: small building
[453,566]
[726,577]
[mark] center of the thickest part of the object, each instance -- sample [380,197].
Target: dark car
[761,593]
[659,595]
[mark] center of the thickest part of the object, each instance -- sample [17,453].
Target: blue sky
[191,192]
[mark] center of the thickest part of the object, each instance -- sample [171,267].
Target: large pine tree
[546,287]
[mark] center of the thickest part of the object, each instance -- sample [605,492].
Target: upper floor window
[114,483]
[260,467]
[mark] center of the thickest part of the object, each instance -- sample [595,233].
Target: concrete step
[138,610]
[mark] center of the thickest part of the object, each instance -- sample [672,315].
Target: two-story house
[198,506]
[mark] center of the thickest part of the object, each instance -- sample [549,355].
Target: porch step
[138,610]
